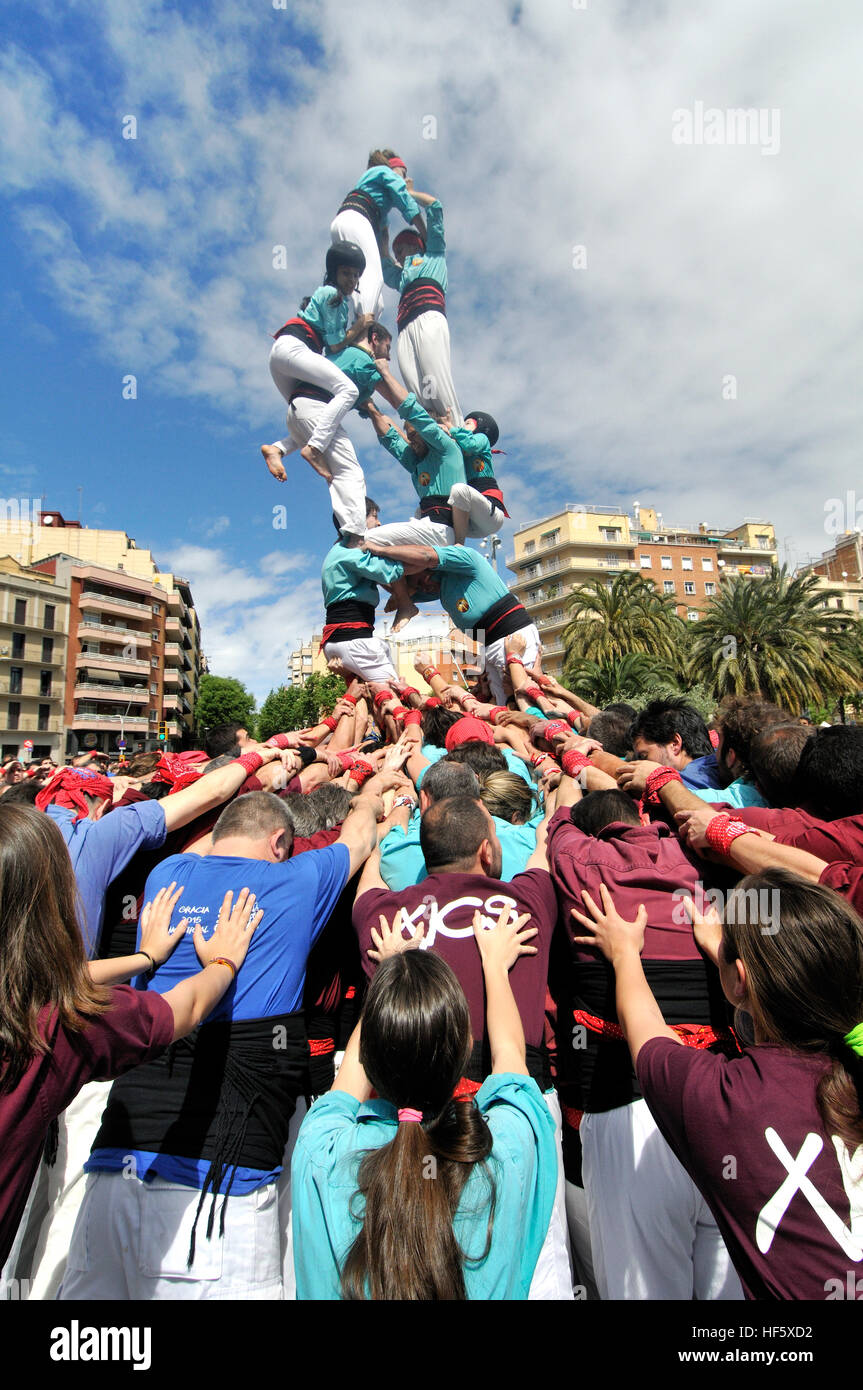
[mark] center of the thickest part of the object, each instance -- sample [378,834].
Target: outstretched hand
[611,933]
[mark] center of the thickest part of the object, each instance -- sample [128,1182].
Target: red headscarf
[468,730]
[70,787]
[180,769]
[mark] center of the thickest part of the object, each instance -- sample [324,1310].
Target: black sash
[436,508]
[359,201]
[349,610]
[298,328]
[501,620]
[418,298]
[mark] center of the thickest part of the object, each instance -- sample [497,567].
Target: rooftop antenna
[80,492]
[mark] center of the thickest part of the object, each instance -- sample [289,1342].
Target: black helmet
[486,424]
[343,253]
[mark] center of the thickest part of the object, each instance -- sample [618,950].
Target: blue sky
[553,130]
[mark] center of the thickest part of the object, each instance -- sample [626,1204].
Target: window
[44,682]
[665,561]
[47,649]
[44,716]
[15,676]
[530,571]
[154,689]
[610,533]
[709,589]
[552,591]
[707,564]
[529,547]
[20,610]
[534,595]
[692,615]
[154,716]
[17,643]
[550,537]
[686,562]
[646,562]
[154,662]
[155,634]
[763,542]
[156,610]
[612,561]
[49,616]
[14,714]
[689,587]
[556,613]
[668,586]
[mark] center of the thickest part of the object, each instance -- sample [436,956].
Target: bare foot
[404,615]
[316,459]
[273,460]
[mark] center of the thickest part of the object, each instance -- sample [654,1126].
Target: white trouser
[418,531]
[424,360]
[59,1191]
[652,1234]
[368,657]
[552,1278]
[352,226]
[291,361]
[348,488]
[286,1225]
[485,518]
[495,660]
[131,1241]
[579,1242]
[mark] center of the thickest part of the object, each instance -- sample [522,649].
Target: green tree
[299,706]
[221,700]
[628,616]
[777,637]
[623,678]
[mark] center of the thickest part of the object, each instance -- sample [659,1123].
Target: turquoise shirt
[433,754]
[741,793]
[388,190]
[351,573]
[476,451]
[329,320]
[360,367]
[327,1214]
[402,862]
[468,584]
[427,265]
[437,473]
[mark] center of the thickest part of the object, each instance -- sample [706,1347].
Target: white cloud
[221,523]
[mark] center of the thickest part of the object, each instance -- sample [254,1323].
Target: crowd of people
[474,991]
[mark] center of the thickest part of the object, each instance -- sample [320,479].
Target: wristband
[657,779]
[347,760]
[537,758]
[409,690]
[223,960]
[555,728]
[429,672]
[398,713]
[361,771]
[413,717]
[251,762]
[573,719]
[496,710]
[330,722]
[152,970]
[722,831]
[532,692]
[403,801]
[279,741]
[351,699]
[514,661]
[572,762]
[307,756]
[382,697]
[433,702]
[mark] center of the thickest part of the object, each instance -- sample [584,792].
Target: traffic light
[163,732]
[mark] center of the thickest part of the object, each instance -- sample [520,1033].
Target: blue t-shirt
[402,863]
[351,573]
[101,849]
[360,368]
[741,793]
[427,265]
[468,584]
[327,1216]
[297,898]
[701,772]
[328,318]
[441,468]
[388,190]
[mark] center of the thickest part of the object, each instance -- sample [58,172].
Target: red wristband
[279,741]
[330,722]
[532,692]
[346,760]
[251,762]
[537,758]
[351,699]
[409,690]
[572,762]
[398,713]
[361,771]
[498,709]
[433,702]
[514,661]
[722,831]
[554,727]
[413,716]
[657,779]
[429,672]
[573,719]
[382,697]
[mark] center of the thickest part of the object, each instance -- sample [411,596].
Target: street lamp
[492,544]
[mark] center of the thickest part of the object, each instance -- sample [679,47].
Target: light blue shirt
[741,793]
[424,265]
[330,320]
[388,190]
[327,1214]
[402,863]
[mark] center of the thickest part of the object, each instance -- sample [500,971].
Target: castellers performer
[477,505]
[417,270]
[298,352]
[362,219]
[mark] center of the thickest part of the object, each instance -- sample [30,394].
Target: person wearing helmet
[477,504]
[362,218]
[417,270]
[298,353]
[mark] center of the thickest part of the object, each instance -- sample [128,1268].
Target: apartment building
[448,656]
[132,655]
[841,570]
[34,632]
[557,554]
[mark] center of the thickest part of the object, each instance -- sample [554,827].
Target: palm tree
[620,679]
[620,619]
[777,637]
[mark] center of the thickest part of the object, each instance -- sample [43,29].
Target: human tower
[334,356]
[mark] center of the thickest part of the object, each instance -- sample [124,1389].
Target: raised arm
[499,949]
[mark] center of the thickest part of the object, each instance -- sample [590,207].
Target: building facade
[34,635]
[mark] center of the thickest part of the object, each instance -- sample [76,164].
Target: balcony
[107,660]
[108,721]
[116,632]
[91,599]
[173,653]
[139,695]
[173,676]
[173,625]
[31,724]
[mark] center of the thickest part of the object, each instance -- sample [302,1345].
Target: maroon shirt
[445,904]
[738,1126]
[137,1026]
[846,879]
[827,839]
